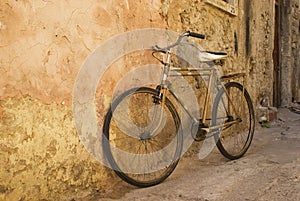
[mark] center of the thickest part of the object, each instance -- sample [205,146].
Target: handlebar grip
[196,35]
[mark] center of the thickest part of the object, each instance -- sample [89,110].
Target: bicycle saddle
[211,56]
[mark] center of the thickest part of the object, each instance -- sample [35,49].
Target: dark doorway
[276,58]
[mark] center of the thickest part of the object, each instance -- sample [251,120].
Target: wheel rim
[233,141]
[151,152]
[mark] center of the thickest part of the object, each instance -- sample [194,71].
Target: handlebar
[196,35]
[186,34]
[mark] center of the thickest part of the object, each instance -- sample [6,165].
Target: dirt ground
[269,171]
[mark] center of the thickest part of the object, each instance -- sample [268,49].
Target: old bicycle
[143,136]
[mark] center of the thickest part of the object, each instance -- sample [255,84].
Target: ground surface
[269,171]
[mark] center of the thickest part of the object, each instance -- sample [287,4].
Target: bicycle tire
[233,141]
[162,150]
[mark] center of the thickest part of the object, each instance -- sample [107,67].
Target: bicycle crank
[199,131]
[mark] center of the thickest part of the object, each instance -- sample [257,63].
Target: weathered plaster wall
[41,157]
[286,59]
[42,46]
[44,43]
[248,38]
[290,17]
[295,45]
[260,60]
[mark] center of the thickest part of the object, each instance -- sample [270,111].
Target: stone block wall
[42,47]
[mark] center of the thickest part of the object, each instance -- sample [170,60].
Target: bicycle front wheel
[142,137]
[233,111]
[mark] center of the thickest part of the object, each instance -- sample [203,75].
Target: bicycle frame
[143,133]
[211,73]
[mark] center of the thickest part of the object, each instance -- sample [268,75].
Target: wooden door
[276,58]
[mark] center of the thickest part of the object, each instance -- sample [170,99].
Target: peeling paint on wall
[41,155]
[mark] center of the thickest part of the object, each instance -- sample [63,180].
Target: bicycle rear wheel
[233,106]
[142,137]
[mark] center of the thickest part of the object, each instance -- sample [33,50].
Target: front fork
[160,97]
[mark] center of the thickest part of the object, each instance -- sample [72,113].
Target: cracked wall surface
[42,47]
